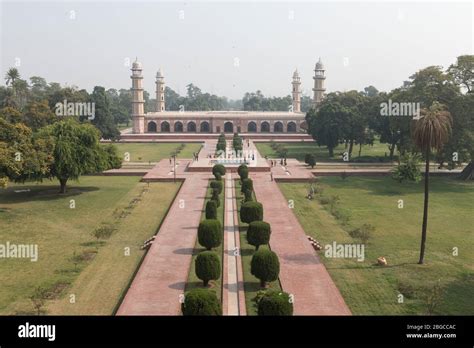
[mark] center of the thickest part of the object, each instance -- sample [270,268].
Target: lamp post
[174,168]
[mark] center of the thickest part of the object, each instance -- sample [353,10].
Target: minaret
[138,103]
[160,91]
[296,93]
[319,78]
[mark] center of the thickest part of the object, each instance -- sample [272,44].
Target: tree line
[355,118]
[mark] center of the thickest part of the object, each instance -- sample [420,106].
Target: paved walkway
[301,272]
[162,276]
[234,298]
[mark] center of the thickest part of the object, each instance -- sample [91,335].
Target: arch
[165,127]
[228,127]
[191,127]
[291,127]
[252,127]
[278,127]
[264,127]
[204,127]
[151,127]
[178,127]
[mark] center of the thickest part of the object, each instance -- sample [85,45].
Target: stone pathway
[234,298]
[162,276]
[301,272]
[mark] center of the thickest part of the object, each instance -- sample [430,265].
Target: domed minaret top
[319,65]
[159,74]
[296,74]
[136,64]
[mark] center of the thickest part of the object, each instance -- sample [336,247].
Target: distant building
[163,121]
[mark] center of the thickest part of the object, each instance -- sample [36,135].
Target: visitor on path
[271,176]
[170,160]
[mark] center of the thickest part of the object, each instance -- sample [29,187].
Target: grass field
[251,283]
[371,289]
[155,152]
[71,261]
[193,281]
[298,150]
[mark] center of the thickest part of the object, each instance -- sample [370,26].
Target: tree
[218,169]
[431,131]
[215,197]
[103,119]
[11,76]
[247,185]
[277,303]
[311,161]
[208,266]
[38,115]
[217,185]
[76,151]
[251,211]
[211,210]
[258,233]
[23,154]
[326,124]
[462,72]
[265,266]
[210,233]
[201,302]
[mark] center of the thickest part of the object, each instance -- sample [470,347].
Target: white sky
[383,43]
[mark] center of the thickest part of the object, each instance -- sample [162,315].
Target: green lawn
[193,281]
[71,261]
[371,289]
[155,152]
[298,150]
[251,283]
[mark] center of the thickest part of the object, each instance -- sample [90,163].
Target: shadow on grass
[41,193]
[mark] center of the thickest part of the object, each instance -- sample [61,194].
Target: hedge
[210,233]
[258,233]
[276,303]
[265,266]
[207,266]
[201,302]
[251,211]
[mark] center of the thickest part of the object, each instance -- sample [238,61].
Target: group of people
[273,163]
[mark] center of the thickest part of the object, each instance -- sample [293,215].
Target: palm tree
[430,131]
[11,76]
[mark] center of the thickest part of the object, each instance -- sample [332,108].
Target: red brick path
[164,271]
[301,272]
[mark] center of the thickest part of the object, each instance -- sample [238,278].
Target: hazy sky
[360,43]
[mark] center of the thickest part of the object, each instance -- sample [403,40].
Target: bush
[201,302]
[364,233]
[216,184]
[311,161]
[207,266]
[265,266]
[218,169]
[251,211]
[275,303]
[211,210]
[215,197]
[243,171]
[247,184]
[258,233]
[248,196]
[210,233]
[407,170]
[218,177]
